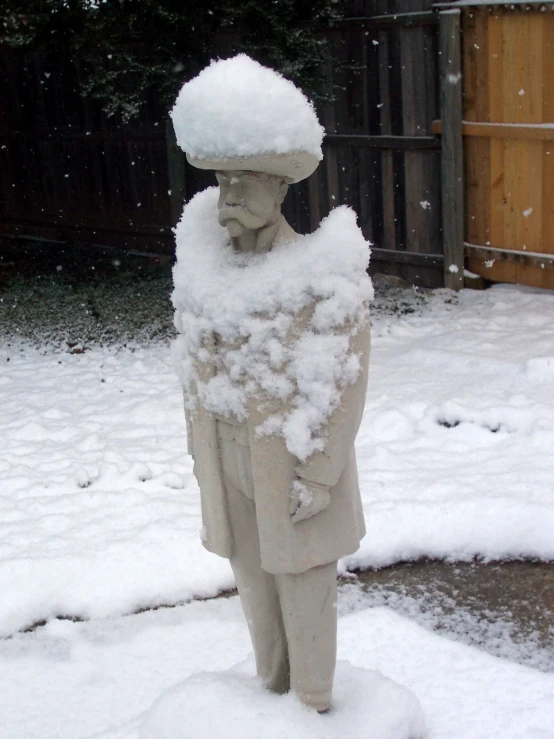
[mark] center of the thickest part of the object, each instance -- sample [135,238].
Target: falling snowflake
[454,78]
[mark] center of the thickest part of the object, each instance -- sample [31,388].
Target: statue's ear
[282,191]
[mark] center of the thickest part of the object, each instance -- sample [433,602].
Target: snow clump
[275,326]
[233,704]
[231,96]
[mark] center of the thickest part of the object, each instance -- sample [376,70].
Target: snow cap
[239,115]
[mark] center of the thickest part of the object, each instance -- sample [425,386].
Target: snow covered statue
[272,354]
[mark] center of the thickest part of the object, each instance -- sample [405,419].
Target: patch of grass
[74,297]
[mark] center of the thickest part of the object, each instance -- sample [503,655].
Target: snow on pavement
[137,677]
[99,509]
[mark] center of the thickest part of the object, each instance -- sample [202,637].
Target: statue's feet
[278,682]
[321,702]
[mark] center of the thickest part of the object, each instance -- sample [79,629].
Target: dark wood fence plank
[452,150]
[389,241]
[175,174]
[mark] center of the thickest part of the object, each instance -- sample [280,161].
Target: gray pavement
[505,608]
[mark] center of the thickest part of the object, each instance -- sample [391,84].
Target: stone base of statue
[234,704]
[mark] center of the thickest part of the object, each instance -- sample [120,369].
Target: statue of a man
[273,356]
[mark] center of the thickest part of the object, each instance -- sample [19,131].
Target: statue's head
[249,201]
[256,130]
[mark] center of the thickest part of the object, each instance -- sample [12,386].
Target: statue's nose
[233,196]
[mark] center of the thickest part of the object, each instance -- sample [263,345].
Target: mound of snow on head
[284,320]
[231,96]
[232,705]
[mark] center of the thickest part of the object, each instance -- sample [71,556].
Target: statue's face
[248,201]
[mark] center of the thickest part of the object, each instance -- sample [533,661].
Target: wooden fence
[508,130]
[509,143]
[68,174]
[380,155]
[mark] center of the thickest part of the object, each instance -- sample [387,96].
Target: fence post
[452,159]
[175,174]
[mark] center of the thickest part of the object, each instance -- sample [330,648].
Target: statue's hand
[307,499]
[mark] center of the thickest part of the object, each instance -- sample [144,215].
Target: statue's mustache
[232,211]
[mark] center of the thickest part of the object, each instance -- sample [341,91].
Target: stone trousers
[292,618]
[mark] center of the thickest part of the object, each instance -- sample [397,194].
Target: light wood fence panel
[509,87]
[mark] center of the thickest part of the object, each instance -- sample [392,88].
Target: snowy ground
[99,507]
[132,677]
[99,517]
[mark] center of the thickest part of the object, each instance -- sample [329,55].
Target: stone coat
[288,547]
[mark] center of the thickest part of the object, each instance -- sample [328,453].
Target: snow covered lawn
[99,511]
[99,517]
[151,676]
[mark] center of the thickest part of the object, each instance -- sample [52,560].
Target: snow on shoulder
[231,96]
[277,326]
